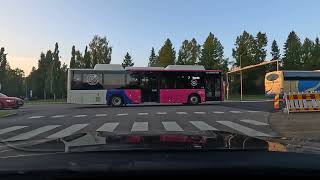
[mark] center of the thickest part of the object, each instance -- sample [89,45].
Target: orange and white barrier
[276,103]
[302,102]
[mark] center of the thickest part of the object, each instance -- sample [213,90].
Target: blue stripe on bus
[119,92]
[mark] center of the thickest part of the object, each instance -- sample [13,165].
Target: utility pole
[240,79]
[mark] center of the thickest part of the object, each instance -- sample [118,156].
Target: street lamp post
[240,79]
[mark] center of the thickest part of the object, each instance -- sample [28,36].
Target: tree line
[210,54]
[11,80]
[49,78]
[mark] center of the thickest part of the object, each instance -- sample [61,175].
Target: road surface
[50,121]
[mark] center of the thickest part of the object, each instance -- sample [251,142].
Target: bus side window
[92,81]
[133,80]
[168,80]
[76,82]
[113,80]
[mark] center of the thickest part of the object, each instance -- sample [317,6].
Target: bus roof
[175,70]
[169,68]
[301,74]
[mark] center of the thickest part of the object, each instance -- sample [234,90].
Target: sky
[29,27]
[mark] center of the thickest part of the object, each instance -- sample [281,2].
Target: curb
[8,115]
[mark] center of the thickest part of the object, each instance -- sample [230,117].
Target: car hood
[207,140]
[13,98]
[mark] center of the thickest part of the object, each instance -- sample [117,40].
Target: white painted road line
[236,112]
[243,129]
[123,114]
[80,116]
[253,111]
[140,114]
[108,127]
[101,115]
[181,113]
[202,125]
[32,133]
[257,123]
[9,129]
[35,117]
[160,113]
[67,131]
[218,112]
[58,116]
[140,126]
[199,112]
[171,126]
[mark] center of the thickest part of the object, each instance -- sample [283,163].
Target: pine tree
[127,61]
[3,65]
[275,51]
[79,60]
[73,57]
[260,51]
[87,58]
[212,54]
[292,52]
[55,72]
[250,50]
[167,54]
[189,52]
[306,54]
[152,58]
[316,55]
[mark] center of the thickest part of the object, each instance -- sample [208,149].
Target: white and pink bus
[113,85]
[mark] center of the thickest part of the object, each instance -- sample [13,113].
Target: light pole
[241,70]
[240,79]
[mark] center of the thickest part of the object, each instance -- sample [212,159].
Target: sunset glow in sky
[33,26]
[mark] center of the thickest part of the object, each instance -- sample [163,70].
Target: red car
[10,102]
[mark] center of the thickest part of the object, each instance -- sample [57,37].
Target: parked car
[10,102]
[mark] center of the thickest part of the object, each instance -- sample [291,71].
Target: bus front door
[150,88]
[213,88]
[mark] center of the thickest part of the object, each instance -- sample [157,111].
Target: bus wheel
[116,101]
[193,99]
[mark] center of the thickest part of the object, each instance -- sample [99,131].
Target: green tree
[189,52]
[87,58]
[292,52]
[306,54]
[73,57]
[55,72]
[100,50]
[48,78]
[3,66]
[315,63]
[250,50]
[244,50]
[127,61]
[152,58]
[212,54]
[14,84]
[167,54]
[275,51]
[260,51]
[79,60]
[63,81]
